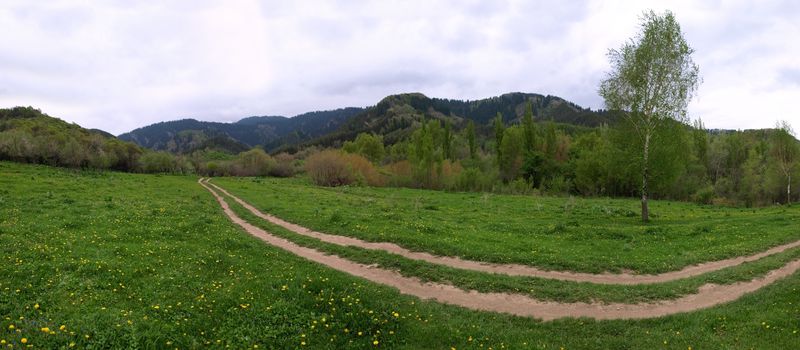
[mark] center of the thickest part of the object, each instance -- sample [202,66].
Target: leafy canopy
[653,76]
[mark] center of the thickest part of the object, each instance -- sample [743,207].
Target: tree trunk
[789,189]
[645,175]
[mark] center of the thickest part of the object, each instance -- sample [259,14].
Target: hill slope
[28,135]
[395,116]
[186,135]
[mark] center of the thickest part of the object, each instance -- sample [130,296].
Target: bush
[333,168]
[254,162]
[704,195]
[284,166]
[363,171]
[157,162]
[557,185]
[400,174]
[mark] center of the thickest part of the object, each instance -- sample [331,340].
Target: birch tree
[785,152]
[653,78]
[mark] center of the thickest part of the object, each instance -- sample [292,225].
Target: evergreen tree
[499,130]
[473,151]
[529,128]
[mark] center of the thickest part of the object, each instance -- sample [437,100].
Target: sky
[120,65]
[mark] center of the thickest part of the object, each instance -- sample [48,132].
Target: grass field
[576,234]
[113,260]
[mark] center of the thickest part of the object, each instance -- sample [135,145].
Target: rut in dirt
[513,269]
[709,295]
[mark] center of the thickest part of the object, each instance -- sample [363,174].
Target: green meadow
[94,259]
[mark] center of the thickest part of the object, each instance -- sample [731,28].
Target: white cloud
[118,66]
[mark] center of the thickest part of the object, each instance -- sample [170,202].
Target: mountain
[187,135]
[396,116]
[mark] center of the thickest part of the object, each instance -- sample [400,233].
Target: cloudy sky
[119,65]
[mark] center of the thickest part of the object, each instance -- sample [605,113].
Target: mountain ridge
[394,117]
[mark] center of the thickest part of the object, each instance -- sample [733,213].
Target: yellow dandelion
[24,340]
[11,327]
[36,306]
[375,342]
[62,328]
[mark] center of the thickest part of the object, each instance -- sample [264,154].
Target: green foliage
[499,132]
[530,129]
[511,153]
[426,154]
[786,154]
[367,145]
[447,141]
[157,162]
[471,140]
[652,80]
[28,135]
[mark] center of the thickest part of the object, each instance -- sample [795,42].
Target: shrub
[363,170]
[704,195]
[284,166]
[328,168]
[557,185]
[254,162]
[400,174]
[333,168]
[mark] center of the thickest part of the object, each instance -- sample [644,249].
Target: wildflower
[46,329]
[11,327]
[375,342]
[24,340]
[36,306]
[395,314]
[62,328]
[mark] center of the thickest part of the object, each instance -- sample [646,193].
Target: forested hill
[28,135]
[395,116]
[187,135]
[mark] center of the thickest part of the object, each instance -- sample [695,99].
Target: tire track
[513,269]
